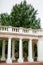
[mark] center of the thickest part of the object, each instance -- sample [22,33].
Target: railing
[20,30]
[3,28]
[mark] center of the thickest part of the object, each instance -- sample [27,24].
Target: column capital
[20,38]
[9,37]
[30,39]
[3,39]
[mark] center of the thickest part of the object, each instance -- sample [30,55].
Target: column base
[3,59]
[9,61]
[20,60]
[30,59]
[13,58]
[40,59]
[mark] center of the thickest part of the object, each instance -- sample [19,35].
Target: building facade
[21,34]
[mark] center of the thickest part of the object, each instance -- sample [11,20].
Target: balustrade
[21,30]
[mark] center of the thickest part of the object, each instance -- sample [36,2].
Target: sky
[6,6]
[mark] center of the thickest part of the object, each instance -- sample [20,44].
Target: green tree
[24,15]
[5,19]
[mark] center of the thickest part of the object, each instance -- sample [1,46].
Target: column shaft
[9,60]
[13,50]
[40,50]
[30,51]
[3,51]
[20,51]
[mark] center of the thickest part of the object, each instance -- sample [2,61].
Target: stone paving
[25,63]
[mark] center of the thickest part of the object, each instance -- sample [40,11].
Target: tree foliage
[5,19]
[24,15]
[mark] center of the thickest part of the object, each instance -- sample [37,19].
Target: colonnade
[20,60]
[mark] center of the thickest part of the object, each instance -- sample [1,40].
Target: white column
[3,51]
[20,60]
[13,50]
[40,50]
[30,59]
[9,60]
